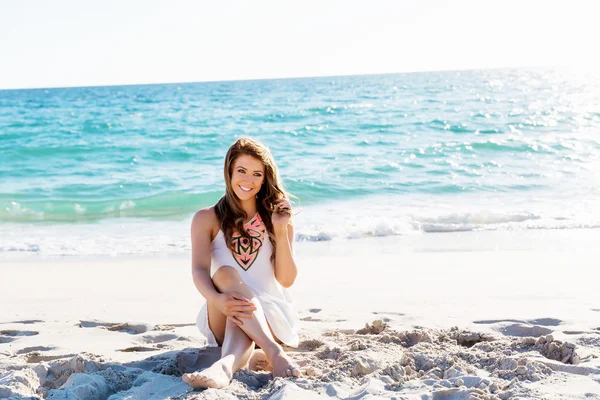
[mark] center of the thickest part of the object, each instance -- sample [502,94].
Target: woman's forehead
[249,162]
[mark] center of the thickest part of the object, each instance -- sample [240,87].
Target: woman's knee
[227,278]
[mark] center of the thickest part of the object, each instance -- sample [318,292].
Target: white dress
[252,260]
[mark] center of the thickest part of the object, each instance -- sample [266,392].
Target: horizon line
[283,78]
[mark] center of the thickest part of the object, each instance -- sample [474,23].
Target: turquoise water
[368,155]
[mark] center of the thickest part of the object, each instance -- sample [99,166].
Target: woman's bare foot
[217,376]
[259,361]
[284,366]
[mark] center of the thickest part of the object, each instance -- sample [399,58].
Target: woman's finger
[281,203]
[240,297]
[245,308]
[241,314]
[235,321]
[284,205]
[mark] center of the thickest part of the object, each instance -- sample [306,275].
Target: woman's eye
[259,175]
[241,171]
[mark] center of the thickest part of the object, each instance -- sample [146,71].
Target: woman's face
[247,176]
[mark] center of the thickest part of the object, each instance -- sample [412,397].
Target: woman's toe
[292,372]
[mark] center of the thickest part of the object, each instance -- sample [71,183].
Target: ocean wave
[399,216]
[479,218]
[164,205]
[510,146]
[443,224]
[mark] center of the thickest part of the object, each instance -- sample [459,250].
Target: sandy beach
[478,315]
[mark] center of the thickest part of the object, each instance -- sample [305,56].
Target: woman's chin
[244,196]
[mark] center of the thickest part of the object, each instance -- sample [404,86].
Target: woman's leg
[227,279]
[235,353]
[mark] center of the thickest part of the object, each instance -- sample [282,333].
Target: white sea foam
[332,222]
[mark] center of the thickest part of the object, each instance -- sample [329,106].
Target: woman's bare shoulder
[205,219]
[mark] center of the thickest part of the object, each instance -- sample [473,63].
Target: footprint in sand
[515,327]
[35,348]
[522,328]
[164,337]
[126,327]
[9,335]
[36,357]
[398,314]
[34,354]
[538,321]
[135,349]
[157,341]
[154,342]
[497,321]
[25,322]
[171,327]
[545,321]
[160,339]
[13,332]
[313,319]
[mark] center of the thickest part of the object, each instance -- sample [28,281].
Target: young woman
[242,263]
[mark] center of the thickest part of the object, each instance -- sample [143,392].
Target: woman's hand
[235,307]
[282,213]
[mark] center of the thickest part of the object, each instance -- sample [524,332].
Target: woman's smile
[247,176]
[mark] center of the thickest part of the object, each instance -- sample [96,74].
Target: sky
[64,43]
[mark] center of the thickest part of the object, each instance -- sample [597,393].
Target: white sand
[517,318]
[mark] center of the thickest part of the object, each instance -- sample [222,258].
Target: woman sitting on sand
[242,261]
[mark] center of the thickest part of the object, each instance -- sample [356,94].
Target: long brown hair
[229,209]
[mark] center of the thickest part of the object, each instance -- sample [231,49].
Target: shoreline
[563,240]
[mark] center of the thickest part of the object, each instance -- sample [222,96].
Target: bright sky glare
[108,42]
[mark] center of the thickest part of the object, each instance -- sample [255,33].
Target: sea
[120,170]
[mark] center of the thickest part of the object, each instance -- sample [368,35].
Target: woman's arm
[230,304]
[285,266]
[201,238]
